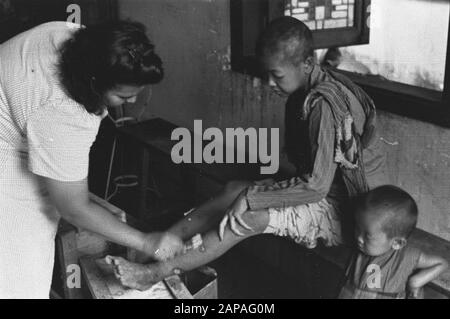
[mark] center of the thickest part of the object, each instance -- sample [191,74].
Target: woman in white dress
[56,82]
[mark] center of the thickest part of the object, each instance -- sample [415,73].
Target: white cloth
[43,132]
[306,224]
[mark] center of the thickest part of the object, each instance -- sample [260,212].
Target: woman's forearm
[97,219]
[73,203]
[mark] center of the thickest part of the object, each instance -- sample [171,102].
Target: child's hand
[414,291]
[163,246]
[234,216]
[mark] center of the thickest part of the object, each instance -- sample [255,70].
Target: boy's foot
[131,275]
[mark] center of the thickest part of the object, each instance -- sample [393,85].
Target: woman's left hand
[234,216]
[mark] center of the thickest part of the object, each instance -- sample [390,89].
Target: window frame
[402,99]
[358,34]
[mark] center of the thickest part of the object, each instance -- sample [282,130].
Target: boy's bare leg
[142,277]
[206,216]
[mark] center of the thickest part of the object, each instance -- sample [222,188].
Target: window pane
[408,43]
[322,14]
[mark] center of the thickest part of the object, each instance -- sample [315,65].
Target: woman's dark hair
[99,57]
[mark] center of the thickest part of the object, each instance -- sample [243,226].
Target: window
[403,67]
[333,22]
[323,15]
[411,55]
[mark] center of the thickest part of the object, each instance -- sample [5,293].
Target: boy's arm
[431,266]
[297,191]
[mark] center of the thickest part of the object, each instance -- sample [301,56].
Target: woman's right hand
[162,245]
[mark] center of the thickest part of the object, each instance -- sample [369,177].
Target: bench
[324,267]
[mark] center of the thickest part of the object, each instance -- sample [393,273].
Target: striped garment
[349,144]
[322,181]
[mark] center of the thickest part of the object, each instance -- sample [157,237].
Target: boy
[330,124]
[385,265]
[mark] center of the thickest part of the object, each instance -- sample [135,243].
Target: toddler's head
[285,50]
[385,217]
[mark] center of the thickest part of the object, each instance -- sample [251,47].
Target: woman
[56,82]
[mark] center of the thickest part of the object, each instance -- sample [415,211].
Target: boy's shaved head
[287,38]
[394,206]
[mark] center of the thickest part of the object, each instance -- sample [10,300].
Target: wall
[192,37]
[419,161]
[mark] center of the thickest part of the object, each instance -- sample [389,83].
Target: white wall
[406,41]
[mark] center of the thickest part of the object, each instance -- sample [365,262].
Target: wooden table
[106,286]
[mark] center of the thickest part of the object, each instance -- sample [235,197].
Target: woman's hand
[162,246]
[234,214]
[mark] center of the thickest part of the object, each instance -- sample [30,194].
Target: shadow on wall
[344,59]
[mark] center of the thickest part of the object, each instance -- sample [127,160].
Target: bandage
[194,243]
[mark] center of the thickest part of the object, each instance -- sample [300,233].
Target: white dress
[43,132]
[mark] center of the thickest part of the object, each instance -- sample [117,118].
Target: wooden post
[66,246]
